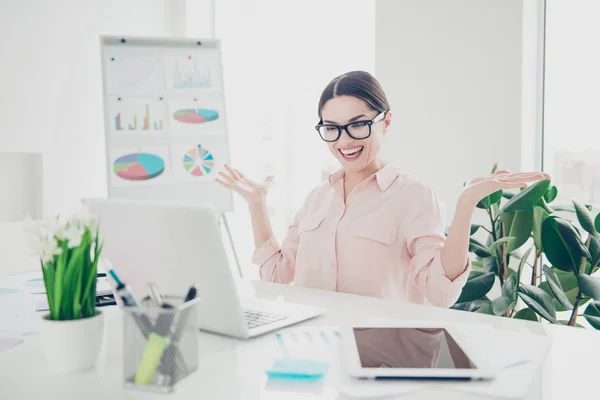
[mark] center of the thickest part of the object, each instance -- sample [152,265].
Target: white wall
[51,83]
[51,88]
[278,56]
[453,72]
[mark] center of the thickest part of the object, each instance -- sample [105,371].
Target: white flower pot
[72,346]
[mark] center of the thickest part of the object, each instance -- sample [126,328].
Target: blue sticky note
[296,368]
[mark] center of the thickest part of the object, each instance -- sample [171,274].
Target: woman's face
[354,155]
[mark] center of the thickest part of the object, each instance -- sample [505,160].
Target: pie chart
[195,115]
[198,161]
[138,166]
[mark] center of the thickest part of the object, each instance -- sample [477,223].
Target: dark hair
[359,84]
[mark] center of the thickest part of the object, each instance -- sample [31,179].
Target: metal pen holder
[160,345]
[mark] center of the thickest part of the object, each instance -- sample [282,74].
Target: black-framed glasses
[358,130]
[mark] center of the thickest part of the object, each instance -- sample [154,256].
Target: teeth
[351,151]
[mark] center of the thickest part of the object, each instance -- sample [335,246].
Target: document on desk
[517,356]
[323,343]
[8,342]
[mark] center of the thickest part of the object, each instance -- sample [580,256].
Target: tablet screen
[409,348]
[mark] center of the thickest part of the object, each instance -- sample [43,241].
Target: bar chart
[131,114]
[190,76]
[194,72]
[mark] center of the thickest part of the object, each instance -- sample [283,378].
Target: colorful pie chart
[198,161]
[195,115]
[139,166]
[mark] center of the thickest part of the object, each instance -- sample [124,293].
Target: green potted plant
[542,262]
[69,250]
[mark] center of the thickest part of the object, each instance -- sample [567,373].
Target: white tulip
[48,250]
[73,234]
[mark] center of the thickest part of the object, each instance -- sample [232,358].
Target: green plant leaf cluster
[70,278]
[554,258]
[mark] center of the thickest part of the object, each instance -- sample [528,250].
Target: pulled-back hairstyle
[359,84]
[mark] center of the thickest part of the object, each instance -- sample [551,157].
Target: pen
[191,294]
[155,295]
[129,300]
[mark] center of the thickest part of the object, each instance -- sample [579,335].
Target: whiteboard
[165,120]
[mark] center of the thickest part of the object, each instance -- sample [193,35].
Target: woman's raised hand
[254,193]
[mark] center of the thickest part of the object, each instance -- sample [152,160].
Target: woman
[371,229]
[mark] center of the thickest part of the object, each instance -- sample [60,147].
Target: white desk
[233,369]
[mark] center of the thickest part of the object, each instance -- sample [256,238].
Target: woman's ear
[387,121]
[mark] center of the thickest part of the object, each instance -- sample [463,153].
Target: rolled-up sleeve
[425,241]
[278,262]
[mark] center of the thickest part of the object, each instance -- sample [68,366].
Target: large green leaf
[477,265]
[570,286]
[487,201]
[478,248]
[522,264]
[589,285]
[585,218]
[539,215]
[592,314]
[509,289]
[597,223]
[551,194]
[501,304]
[508,298]
[519,226]
[470,306]
[556,288]
[539,301]
[527,198]
[594,251]
[490,264]
[477,286]
[562,244]
[486,308]
[565,208]
[527,314]
[498,244]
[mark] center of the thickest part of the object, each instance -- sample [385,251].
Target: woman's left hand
[477,189]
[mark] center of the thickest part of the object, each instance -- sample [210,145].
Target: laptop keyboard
[256,318]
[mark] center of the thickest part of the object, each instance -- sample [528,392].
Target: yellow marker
[155,347]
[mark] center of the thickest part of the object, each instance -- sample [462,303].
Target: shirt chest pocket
[310,224]
[311,234]
[371,245]
[373,232]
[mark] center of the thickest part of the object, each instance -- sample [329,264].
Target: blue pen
[129,300]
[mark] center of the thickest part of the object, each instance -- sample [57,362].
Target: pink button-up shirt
[384,241]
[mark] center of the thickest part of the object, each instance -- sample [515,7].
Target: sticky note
[298,368]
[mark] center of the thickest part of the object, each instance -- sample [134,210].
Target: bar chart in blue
[189,73]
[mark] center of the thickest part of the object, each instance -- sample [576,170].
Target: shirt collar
[385,177]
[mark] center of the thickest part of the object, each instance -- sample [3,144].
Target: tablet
[411,351]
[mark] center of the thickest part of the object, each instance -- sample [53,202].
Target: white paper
[8,342]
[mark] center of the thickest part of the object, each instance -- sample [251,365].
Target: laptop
[179,245]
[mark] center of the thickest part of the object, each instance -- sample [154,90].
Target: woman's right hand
[254,193]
